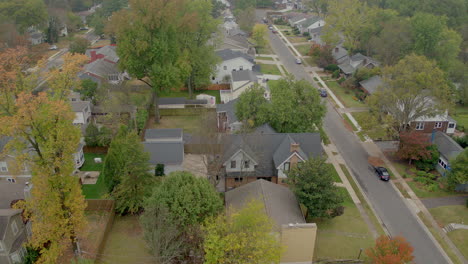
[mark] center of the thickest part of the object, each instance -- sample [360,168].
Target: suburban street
[390,207]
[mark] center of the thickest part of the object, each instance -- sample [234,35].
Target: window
[14,228]
[238,179]
[11,180]
[73,99]
[225,68]
[286,166]
[213,78]
[419,126]
[241,68]
[451,125]
[233,164]
[3,166]
[247,164]
[438,125]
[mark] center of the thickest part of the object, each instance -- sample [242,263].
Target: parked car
[323,93]
[382,173]
[53,47]
[298,61]
[270,28]
[274,31]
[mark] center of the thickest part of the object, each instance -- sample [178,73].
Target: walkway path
[443,201]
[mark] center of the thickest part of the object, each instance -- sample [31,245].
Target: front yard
[269,69]
[98,190]
[303,49]
[296,39]
[344,95]
[124,243]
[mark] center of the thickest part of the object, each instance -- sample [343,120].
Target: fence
[185,111]
[101,205]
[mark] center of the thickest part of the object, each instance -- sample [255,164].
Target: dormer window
[247,164]
[3,166]
[286,166]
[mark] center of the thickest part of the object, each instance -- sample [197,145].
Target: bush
[79,45]
[429,163]
[159,170]
[141,118]
[336,74]
[332,68]
[337,211]
[306,34]
[341,80]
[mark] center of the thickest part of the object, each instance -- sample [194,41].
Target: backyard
[98,190]
[458,214]
[342,237]
[184,93]
[345,96]
[461,116]
[124,243]
[269,69]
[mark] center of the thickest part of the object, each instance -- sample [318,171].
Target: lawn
[348,99]
[445,215]
[283,27]
[377,132]
[98,190]
[461,116]
[269,69]
[264,58]
[294,39]
[124,243]
[265,50]
[310,61]
[336,177]
[190,124]
[303,49]
[181,93]
[343,236]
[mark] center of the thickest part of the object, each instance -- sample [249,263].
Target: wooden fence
[102,205]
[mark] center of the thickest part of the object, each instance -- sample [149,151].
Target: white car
[298,61]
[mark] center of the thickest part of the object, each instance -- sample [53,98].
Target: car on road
[270,28]
[382,173]
[323,93]
[274,31]
[298,61]
[53,47]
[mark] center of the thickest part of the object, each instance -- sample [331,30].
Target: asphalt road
[393,211]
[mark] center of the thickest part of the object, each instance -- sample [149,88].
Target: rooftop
[244,75]
[163,133]
[447,147]
[228,54]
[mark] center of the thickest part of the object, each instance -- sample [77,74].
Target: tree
[159,170]
[188,198]
[410,89]
[297,106]
[218,8]
[159,27]
[52,33]
[390,250]
[79,45]
[318,6]
[245,18]
[24,13]
[62,81]
[458,173]
[312,183]
[413,146]
[252,107]
[322,55]
[91,136]
[243,236]
[259,35]
[429,162]
[88,89]
[44,127]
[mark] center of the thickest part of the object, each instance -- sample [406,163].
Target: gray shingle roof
[447,147]
[3,141]
[340,54]
[180,101]
[228,54]
[78,106]
[101,68]
[168,153]
[109,53]
[371,84]
[162,133]
[309,21]
[350,65]
[244,75]
[230,109]
[284,151]
[10,191]
[264,147]
[280,203]
[5,215]
[264,129]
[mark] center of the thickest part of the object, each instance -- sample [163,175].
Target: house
[226,117]
[82,110]
[78,156]
[268,156]
[297,237]
[13,234]
[240,82]
[165,146]
[231,60]
[352,64]
[103,65]
[340,54]
[36,38]
[371,85]
[297,18]
[310,25]
[448,149]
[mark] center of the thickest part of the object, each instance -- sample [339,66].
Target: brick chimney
[294,147]
[336,49]
[294,159]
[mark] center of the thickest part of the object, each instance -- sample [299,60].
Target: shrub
[141,118]
[336,74]
[337,211]
[306,34]
[341,80]
[428,163]
[432,187]
[332,68]
[159,170]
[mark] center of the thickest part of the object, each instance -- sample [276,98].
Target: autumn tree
[389,250]
[44,126]
[458,173]
[79,45]
[314,187]
[242,236]
[259,35]
[62,81]
[24,13]
[188,198]
[413,146]
[252,107]
[413,88]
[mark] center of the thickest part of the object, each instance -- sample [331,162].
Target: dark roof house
[245,75]
[13,235]
[351,64]
[229,54]
[372,84]
[165,146]
[448,148]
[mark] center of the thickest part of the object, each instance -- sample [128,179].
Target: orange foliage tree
[413,146]
[390,251]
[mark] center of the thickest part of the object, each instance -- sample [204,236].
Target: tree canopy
[253,107]
[390,250]
[24,13]
[458,173]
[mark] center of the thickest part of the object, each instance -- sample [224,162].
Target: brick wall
[430,126]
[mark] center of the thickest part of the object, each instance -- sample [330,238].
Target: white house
[240,82]
[82,110]
[231,61]
[310,25]
[78,156]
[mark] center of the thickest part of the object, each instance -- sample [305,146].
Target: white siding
[226,67]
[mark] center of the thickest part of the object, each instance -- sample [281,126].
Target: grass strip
[349,121]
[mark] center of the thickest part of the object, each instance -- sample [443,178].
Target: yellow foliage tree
[62,80]
[244,236]
[259,35]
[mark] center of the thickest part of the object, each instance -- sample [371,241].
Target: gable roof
[372,84]
[244,75]
[309,21]
[78,106]
[168,153]
[447,147]
[264,129]
[283,152]
[4,141]
[5,216]
[228,54]
[340,54]
[109,52]
[230,110]
[101,68]
[161,133]
[351,64]
[279,202]
[10,191]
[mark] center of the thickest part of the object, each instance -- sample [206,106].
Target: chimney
[294,159]
[365,61]
[294,147]
[93,55]
[336,50]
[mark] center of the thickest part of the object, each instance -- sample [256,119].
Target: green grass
[185,94]
[284,69]
[264,58]
[461,116]
[445,215]
[303,49]
[294,39]
[377,132]
[283,27]
[269,69]
[310,61]
[98,190]
[189,123]
[343,236]
[459,238]
[336,177]
[420,190]
[349,121]
[125,243]
[346,98]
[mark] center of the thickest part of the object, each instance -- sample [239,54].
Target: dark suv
[382,173]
